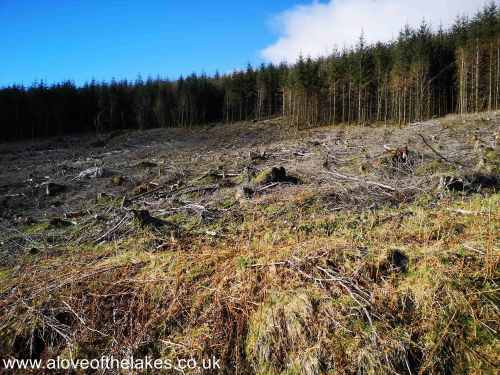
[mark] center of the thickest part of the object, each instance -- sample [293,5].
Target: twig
[197,189]
[170,343]
[226,174]
[368,182]
[464,212]
[112,230]
[145,194]
[267,187]
[268,264]
[50,321]
[216,174]
[475,250]
[82,320]
[52,288]
[24,235]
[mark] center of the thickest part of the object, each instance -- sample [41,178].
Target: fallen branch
[368,182]
[473,249]
[112,230]
[267,187]
[197,189]
[69,281]
[216,174]
[464,212]
[262,265]
[145,194]
[82,321]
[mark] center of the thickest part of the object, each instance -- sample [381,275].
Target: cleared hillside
[341,249]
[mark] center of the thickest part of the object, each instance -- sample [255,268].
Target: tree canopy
[423,73]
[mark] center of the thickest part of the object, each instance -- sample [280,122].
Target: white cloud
[315,29]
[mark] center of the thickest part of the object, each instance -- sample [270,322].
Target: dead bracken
[285,256]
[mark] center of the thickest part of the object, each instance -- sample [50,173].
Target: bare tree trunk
[477,76]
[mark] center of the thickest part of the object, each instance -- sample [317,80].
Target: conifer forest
[420,75]
[334,215]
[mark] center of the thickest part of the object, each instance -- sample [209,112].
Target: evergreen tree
[419,75]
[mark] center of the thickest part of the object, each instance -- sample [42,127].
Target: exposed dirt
[133,163]
[164,170]
[214,204]
[144,160]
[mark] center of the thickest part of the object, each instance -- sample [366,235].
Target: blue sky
[55,40]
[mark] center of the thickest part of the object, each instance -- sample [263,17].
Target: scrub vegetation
[280,252]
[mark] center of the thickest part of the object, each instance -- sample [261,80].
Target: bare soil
[163,156]
[221,192]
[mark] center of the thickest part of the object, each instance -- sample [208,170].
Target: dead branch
[368,182]
[464,212]
[473,249]
[112,230]
[145,194]
[82,321]
[196,189]
[267,187]
[52,288]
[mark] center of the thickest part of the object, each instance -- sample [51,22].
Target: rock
[94,172]
[52,189]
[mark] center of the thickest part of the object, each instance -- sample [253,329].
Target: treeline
[43,110]
[419,75]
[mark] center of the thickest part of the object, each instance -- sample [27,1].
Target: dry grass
[295,280]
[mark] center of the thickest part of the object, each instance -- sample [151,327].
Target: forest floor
[342,249]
